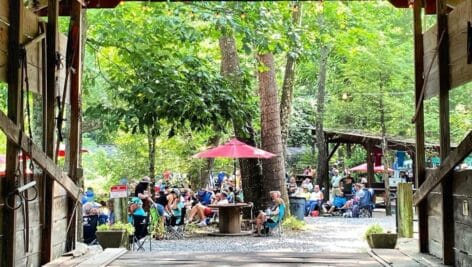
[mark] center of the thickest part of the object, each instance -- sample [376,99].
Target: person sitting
[271,214]
[135,208]
[172,198]
[203,211]
[292,187]
[307,184]
[176,206]
[314,201]
[231,195]
[304,193]
[359,195]
[239,196]
[347,186]
[337,203]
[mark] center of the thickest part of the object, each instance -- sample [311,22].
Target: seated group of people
[361,197]
[345,196]
[172,203]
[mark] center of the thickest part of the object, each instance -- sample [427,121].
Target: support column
[419,160]
[75,119]
[15,111]
[48,133]
[445,142]
[370,164]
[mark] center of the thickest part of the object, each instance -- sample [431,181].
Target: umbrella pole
[210,177]
[234,169]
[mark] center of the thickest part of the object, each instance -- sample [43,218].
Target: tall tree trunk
[289,79]
[274,168]
[251,173]
[388,204]
[152,154]
[321,142]
[210,162]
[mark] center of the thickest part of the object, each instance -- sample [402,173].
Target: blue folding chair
[276,226]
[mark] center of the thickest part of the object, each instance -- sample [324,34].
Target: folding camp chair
[175,226]
[141,232]
[276,226]
[90,223]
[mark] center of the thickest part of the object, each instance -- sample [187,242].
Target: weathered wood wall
[463,218]
[462,192]
[32,257]
[460,71]
[435,222]
[59,221]
[33,53]
[30,30]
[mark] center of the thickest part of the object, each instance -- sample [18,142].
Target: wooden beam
[74,132]
[370,164]
[333,151]
[445,135]
[48,131]
[15,111]
[419,126]
[47,164]
[436,176]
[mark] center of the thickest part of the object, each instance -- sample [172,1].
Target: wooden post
[445,142]
[370,164]
[120,207]
[419,126]
[15,111]
[74,133]
[48,138]
[405,210]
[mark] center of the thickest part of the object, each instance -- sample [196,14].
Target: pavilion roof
[364,138]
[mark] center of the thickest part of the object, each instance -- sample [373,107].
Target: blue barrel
[297,207]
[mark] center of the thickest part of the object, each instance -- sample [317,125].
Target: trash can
[297,207]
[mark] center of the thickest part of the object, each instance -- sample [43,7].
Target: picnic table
[229,218]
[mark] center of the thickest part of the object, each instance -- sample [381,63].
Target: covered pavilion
[371,143]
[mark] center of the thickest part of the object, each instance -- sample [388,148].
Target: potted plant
[377,237]
[114,235]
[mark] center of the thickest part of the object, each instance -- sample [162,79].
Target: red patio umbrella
[235,149]
[363,168]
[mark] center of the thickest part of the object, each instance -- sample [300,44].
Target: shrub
[129,228]
[293,223]
[373,229]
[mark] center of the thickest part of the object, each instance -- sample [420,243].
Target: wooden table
[229,218]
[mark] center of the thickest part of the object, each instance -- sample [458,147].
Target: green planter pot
[385,240]
[112,239]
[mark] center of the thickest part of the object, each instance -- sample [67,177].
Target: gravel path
[322,234]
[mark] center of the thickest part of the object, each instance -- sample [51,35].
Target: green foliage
[156,80]
[293,223]
[164,80]
[373,229]
[129,228]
